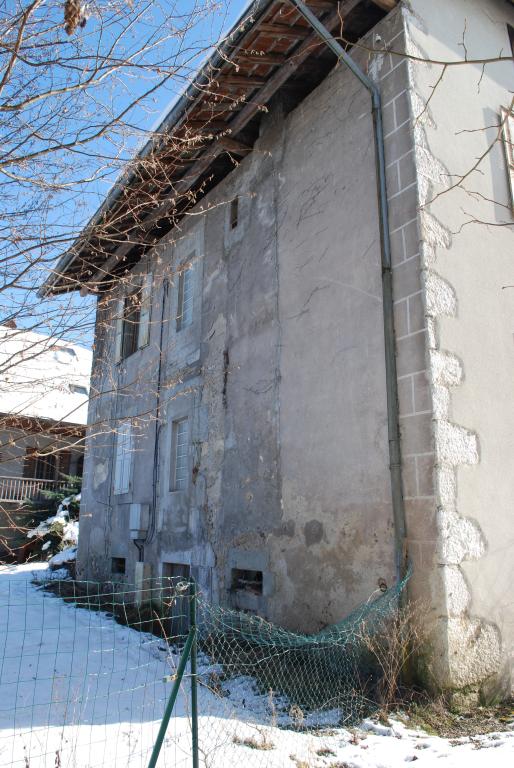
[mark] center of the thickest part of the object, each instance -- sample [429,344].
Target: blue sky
[67,211]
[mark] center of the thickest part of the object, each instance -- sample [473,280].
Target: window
[179,450]
[133,319]
[507,118]
[185,297]
[247,581]
[123,459]
[118,567]
[131,316]
[234,213]
[41,467]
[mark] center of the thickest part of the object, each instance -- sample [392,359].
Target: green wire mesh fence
[87,671]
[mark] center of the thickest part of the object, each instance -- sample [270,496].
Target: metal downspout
[140,543]
[387,284]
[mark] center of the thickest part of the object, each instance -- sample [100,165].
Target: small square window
[234,213]
[118,566]
[247,581]
[179,455]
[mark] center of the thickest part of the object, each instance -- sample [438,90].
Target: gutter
[387,285]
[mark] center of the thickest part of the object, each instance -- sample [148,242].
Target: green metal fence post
[194,681]
[171,701]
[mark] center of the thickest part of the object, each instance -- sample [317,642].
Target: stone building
[266,415]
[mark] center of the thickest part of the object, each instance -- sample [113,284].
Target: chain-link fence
[87,672]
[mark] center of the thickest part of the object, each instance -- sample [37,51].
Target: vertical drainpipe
[387,284]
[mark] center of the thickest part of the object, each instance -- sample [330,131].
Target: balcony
[18,489]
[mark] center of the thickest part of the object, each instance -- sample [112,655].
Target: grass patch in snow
[437,719]
[262,742]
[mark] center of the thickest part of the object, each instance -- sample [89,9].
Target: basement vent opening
[118,566]
[234,212]
[247,581]
[176,571]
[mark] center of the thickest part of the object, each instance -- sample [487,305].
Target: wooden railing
[19,488]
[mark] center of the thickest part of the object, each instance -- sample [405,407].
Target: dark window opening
[80,466]
[118,566]
[247,581]
[39,467]
[176,596]
[234,212]
[131,317]
[45,467]
[510,30]
[64,462]
[176,570]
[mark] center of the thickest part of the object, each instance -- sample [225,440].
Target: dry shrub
[393,644]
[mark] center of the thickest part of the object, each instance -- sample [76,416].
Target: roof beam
[260,58]
[295,32]
[386,5]
[237,147]
[241,81]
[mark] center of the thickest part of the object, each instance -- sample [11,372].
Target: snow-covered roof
[43,377]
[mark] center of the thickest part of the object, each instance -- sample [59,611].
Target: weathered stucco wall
[465,225]
[281,375]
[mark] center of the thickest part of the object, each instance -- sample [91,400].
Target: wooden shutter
[144,317]
[123,458]
[118,319]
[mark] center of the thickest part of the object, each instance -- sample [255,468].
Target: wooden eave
[35,425]
[212,128]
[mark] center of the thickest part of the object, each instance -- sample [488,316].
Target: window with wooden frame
[123,458]
[179,478]
[133,318]
[185,295]
[507,121]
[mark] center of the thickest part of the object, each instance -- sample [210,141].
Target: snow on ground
[78,690]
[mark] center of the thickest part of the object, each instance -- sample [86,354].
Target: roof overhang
[270,50]
[36,425]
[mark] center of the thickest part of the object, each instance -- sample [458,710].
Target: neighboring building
[246,405]
[44,391]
